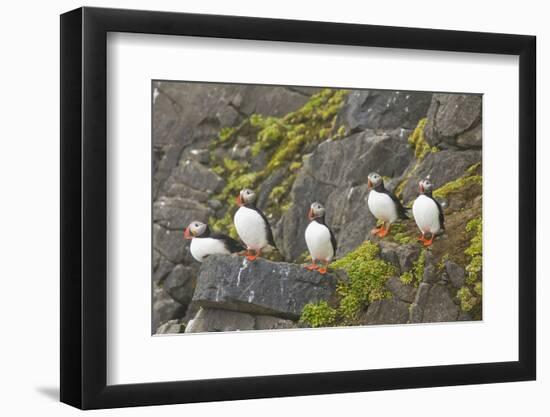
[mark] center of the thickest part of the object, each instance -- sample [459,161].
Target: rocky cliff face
[295,146]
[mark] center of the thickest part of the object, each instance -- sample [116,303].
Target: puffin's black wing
[268,231]
[231,244]
[441,216]
[401,211]
[332,240]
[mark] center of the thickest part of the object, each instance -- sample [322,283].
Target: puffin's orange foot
[383,232]
[375,231]
[312,267]
[322,270]
[428,242]
[251,257]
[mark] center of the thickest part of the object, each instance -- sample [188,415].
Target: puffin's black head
[315,211]
[195,229]
[246,196]
[374,180]
[425,186]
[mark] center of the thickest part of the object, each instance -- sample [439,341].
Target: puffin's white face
[246,196]
[374,180]
[195,229]
[315,210]
[425,186]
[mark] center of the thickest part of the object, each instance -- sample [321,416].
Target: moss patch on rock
[367,275]
[470,295]
[418,141]
[319,315]
[416,273]
[457,185]
[284,141]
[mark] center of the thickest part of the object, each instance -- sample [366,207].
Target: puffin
[428,213]
[252,225]
[384,205]
[204,242]
[320,240]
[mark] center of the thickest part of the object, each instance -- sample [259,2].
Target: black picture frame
[84,207]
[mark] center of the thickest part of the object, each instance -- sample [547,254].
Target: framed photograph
[258,208]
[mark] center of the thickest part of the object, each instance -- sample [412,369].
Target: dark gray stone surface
[402,291]
[215,320]
[455,273]
[443,167]
[440,306]
[389,311]
[380,109]
[180,283]
[453,120]
[261,287]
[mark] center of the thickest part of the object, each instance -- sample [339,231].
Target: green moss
[404,238]
[318,315]
[279,198]
[473,169]
[478,288]
[342,132]
[470,295]
[467,300]
[418,141]
[410,174]
[474,251]
[226,134]
[367,275]
[311,123]
[442,261]
[399,233]
[295,166]
[415,275]
[457,185]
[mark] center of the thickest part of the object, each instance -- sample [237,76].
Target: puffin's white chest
[382,206]
[204,246]
[426,214]
[251,228]
[318,242]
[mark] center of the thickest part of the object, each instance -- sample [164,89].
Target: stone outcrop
[261,287]
[218,320]
[235,294]
[454,120]
[383,109]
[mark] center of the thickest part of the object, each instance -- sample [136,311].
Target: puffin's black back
[231,244]
[401,211]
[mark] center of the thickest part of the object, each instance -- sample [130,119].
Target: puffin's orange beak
[239,201]
[187,234]
[369,184]
[310,214]
[420,188]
